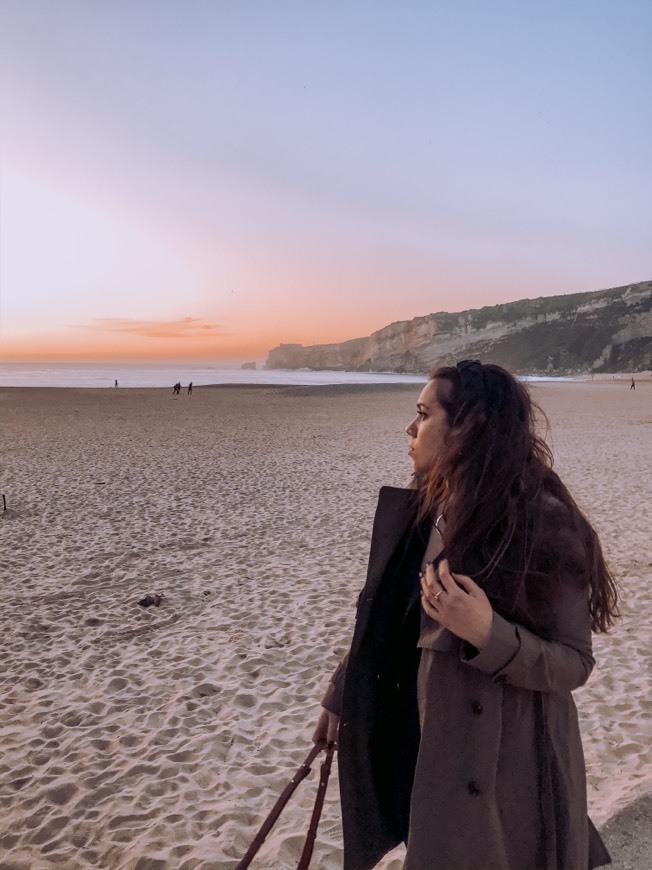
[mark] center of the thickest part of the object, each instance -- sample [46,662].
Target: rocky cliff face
[608,330]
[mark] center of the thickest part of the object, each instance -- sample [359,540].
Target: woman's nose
[410,429]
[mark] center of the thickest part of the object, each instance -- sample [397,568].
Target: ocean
[165,375]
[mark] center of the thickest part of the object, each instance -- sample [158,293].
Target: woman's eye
[421,415]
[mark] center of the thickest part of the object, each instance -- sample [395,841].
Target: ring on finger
[438,594]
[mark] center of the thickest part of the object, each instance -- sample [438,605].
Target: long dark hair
[510,522]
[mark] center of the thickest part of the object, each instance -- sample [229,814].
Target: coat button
[473,789]
[476,706]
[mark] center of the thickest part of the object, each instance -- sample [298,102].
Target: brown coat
[494,772]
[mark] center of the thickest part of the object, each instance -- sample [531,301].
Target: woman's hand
[326,728]
[457,603]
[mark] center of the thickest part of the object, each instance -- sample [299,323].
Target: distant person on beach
[190,388]
[116,383]
[452,711]
[176,390]
[632,386]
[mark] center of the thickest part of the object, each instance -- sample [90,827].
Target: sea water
[167,374]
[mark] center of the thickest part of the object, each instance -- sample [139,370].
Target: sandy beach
[159,738]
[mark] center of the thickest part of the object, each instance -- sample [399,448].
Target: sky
[205,179]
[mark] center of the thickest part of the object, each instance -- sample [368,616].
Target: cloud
[186,327]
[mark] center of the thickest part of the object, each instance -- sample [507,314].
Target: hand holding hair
[457,603]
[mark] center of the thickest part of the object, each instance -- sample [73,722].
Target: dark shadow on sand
[628,836]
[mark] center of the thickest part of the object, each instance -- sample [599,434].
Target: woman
[456,729]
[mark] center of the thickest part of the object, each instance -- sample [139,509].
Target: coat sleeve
[517,656]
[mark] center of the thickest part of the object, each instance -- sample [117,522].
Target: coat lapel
[397,508]
[368,832]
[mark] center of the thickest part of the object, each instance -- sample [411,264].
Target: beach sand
[159,738]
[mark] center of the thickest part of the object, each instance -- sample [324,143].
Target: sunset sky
[204,179]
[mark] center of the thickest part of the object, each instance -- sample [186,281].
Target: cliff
[602,331]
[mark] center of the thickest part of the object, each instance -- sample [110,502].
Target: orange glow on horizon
[58,350]
[134,347]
